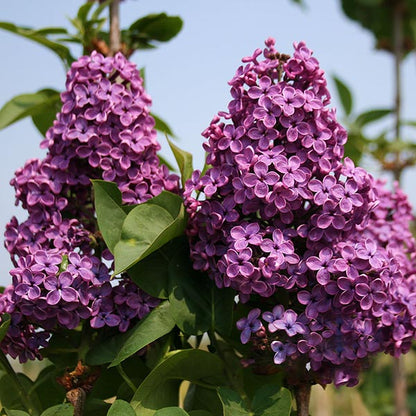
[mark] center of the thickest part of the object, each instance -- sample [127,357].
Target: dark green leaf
[148,227]
[233,404]
[377,17]
[344,95]
[189,295]
[50,393]
[5,323]
[156,324]
[36,104]
[370,116]
[171,411]
[202,399]
[271,400]
[162,126]
[197,305]
[152,273]
[84,10]
[121,408]
[184,161]
[196,366]
[110,214]
[222,310]
[39,37]
[10,395]
[65,409]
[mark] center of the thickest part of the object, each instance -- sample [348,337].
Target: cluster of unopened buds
[285,220]
[62,267]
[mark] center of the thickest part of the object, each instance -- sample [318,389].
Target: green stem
[126,378]
[24,396]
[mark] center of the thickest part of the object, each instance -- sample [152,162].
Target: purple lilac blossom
[104,131]
[306,223]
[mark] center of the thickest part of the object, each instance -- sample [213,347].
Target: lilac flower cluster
[104,131]
[284,217]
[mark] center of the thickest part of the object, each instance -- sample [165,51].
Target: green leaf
[162,126]
[156,324]
[148,227]
[200,413]
[43,119]
[196,366]
[152,273]
[11,395]
[197,305]
[159,27]
[50,393]
[344,95]
[184,161]
[271,400]
[189,295]
[201,399]
[110,214]
[233,404]
[35,105]
[171,411]
[222,310]
[121,408]
[40,37]
[370,116]
[16,412]
[65,409]
[5,323]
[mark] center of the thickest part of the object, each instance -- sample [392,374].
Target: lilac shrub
[319,249]
[62,272]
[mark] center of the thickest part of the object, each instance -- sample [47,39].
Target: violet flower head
[103,131]
[310,232]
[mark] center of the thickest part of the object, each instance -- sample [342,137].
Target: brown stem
[400,388]
[302,396]
[398,16]
[115,35]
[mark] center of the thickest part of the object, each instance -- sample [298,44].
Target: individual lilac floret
[280,215]
[104,131]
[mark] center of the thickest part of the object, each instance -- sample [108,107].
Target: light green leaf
[40,37]
[110,214]
[148,227]
[171,411]
[370,116]
[39,105]
[271,400]
[65,409]
[162,126]
[184,161]
[156,324]
[121,408]
[16,412]
[233,404]
[196,366]
[200,413]
[344,95]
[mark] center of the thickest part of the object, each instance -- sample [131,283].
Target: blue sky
[187,77]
